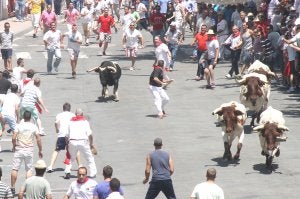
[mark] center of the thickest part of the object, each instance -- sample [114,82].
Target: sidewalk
[15,27]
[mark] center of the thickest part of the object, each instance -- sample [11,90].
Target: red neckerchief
[84,180]
[78,118]
[25,81]
[234,35]
[159,42]
[212,38]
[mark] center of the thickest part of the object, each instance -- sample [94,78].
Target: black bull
[109,74]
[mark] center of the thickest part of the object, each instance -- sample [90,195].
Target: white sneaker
[228,76]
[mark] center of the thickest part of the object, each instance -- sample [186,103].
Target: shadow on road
[225,163]
[261,168]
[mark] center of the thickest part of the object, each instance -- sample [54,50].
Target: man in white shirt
[142,10]
[87,20]
[208,189]
[52,40]
[61,127]
[80,138]
[83,187]
[131,39]
[162,52]
[127,18]
[10,108]
[74,42]
[114,185]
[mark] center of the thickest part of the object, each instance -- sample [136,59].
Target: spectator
[208,189]
[83,187]
[80,138]
[114,186]
[162,169]
[102,190]
[5,191]
[23,148]
[36,186]
[6,39]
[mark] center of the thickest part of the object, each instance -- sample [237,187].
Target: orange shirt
[201,39]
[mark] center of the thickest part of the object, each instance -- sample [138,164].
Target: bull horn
[216,110]
[280,126]
[101,68]
[258,128]
[281,139]
[241,81]
[114,70]
[271,74]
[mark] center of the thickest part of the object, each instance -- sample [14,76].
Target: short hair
[30,73]
[66,106]
[37,81]
[19,60]
[114,184]
[27,115]
[107,171]
[78,111]
[160,63]
[6,23]
[84,168]
[211,174]
[14,88]
[40,171]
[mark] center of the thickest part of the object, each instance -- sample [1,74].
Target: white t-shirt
[26,132]
[161,53]
[72,38]
[206,190]
[82,191]
[211,48]
[79,130]
[18,73]
[126,20]
[132,38]
[62,120]
[173,37]
[53,39]
[141,8]
[11,101]
[115,195]
[88,14]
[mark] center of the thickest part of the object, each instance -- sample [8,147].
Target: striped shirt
[31,95]
[6,39]
[5,191]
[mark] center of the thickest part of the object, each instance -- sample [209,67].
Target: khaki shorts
[19,157]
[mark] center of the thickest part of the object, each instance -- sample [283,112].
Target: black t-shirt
[157,72]
[4,86]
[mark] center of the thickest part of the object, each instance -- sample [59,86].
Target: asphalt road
[124,131]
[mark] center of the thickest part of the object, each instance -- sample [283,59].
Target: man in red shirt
[105,21]
[157,20]
[200,38]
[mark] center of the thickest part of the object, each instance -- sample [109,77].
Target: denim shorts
[6,53]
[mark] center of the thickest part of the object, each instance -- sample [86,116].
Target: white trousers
[84,148]
[160,98]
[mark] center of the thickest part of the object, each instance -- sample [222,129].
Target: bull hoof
[227,156]
[116,100]
[269,160]
[263,153]
[277,154]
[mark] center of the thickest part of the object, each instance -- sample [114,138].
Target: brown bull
[270,136]
[254,96]
[232,121]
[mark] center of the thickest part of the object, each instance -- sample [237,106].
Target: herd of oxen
[255,90]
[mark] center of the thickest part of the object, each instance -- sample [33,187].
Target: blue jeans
[51,53]
[200,69]
[165,186]
[173,49]
[20,10]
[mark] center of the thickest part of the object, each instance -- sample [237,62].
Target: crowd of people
[243,33]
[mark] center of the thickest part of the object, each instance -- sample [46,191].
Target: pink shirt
[72,16]
[47,18]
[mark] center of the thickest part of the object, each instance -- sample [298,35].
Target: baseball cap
[158,142]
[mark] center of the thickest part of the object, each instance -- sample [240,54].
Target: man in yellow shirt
[36,9]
